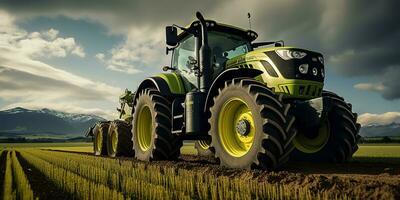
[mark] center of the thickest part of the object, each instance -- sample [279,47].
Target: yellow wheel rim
[144,128]
[312,145]
[99,141]
[236,127]
[114,140]
[203,144]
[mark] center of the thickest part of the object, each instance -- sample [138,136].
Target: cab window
[182,53]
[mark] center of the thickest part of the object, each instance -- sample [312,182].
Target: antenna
[249,16]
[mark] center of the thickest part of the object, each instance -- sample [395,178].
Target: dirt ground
[361,180]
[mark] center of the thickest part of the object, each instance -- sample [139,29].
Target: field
[69,171]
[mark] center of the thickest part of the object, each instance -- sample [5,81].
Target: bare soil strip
[363,180]
[42,187]
[2,171]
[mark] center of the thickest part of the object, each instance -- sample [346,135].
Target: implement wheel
[334,140]
[151,130]
[250,126]
[203,148]
[100,132]
[119,139]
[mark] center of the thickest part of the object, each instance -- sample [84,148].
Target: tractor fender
[168,84]
[228,74]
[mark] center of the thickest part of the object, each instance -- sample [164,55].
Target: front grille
[299,90]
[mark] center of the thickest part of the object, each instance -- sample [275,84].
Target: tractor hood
[290,62]
[296,72]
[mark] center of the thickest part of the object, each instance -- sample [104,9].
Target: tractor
[249,104]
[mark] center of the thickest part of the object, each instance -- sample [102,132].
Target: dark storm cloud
[358,37]
[119,14]
[392,83]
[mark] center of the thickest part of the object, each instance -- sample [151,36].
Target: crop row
[78,186]
[139,180]
[16,184]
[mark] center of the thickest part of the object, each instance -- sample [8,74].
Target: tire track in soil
[358,179]
[2,170]
[42,187]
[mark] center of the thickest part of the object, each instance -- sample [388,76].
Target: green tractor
[249,105]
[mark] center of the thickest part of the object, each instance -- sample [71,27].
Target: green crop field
[365,151]
[113,178]
[106,178]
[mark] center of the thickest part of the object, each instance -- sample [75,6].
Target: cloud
[381,119]
[357,38]
[376,87]
[141,51]
[389,85]
[30,82]
[47,44]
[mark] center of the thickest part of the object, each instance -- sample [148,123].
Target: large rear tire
[119,139]
[250,126]
[151,130]
[100,132]
[336,138]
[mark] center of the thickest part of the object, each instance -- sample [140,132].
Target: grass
[50,144]
[187,148]
[388,153]
[378,150]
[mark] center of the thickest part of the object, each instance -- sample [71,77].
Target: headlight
[303,68]
[321,59]
[314,71]
[290,54]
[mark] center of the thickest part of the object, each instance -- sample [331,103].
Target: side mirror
[171,35]
[166,68]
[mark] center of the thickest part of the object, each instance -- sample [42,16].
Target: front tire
[151,130]
[100,132]
[119,139]
[336,139]
[250,126]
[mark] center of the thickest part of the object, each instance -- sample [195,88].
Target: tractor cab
[225,42]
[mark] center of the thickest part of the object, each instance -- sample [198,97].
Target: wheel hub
[314,140]
[236,127]
[243,127]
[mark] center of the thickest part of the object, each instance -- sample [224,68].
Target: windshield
[225,46]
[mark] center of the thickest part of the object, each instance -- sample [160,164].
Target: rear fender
[228,74]
[168,84]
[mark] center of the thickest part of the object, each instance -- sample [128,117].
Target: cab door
[181,62]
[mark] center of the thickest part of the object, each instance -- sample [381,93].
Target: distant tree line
[43,140]
[384,139]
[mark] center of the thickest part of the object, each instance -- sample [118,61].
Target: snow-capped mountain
[378,130]
[72,117]
[44,121]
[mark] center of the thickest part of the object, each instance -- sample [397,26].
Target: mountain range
[21,121]
[378,130]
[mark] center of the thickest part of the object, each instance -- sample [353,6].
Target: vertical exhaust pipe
[206,71]
[194,102]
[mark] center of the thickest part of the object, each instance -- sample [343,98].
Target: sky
[78,56]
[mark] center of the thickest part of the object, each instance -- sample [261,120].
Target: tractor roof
[214,26]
